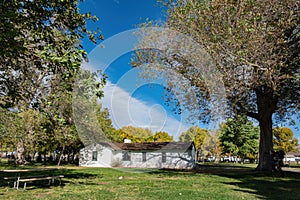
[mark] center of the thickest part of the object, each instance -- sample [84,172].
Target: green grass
[212,181]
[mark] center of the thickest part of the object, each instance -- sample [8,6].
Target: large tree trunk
[21,152]
[265,144]
[266,104]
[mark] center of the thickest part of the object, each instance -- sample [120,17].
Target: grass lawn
[210,182]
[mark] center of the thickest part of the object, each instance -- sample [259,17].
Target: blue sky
[130,99]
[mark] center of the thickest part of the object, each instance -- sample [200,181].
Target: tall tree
[41,42]
[284,139]
[239,137]
[255,47]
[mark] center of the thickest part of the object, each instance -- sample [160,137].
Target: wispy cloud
[126,110]
[117,1]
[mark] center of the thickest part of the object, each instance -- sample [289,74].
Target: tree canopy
[211,146]
[162,136]
[239,137]
[254,46]
[40,58]
[40,40]
[284,139]
[194,134]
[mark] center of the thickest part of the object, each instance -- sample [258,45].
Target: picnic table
[21,175]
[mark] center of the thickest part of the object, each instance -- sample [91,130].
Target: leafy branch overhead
[254,49]
[41,54]
[39,40]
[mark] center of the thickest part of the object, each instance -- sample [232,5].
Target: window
[163,157]
[126,156]
[144,157]
[94,156]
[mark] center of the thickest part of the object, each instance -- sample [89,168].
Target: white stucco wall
[174,160]
[104,156]
[108,157]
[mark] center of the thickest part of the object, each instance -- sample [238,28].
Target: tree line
[236,137]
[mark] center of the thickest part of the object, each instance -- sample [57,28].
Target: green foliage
[194,134]
[197,135]
[284,139]
[254,46]
[211,145]
[40,39]
[136,134]
[40,58]
[90,119]
[162,136]
[239,137]
[106,123]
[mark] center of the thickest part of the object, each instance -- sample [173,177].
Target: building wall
[174,159]
[108,157]
[104,156]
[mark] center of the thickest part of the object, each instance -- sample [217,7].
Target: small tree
[137,134]
[211,146]
[239,137]
[284,139]
[162,136]
[194,134]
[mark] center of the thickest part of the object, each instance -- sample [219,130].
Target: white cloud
[126,110]
[117,1]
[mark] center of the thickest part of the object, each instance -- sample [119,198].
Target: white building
[175,155]
[293,156]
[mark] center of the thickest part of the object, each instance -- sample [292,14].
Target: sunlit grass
[225,181]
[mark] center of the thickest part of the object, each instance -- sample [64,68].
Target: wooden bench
[39,178]
[25,179]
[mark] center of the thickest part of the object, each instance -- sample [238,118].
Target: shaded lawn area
[209,182]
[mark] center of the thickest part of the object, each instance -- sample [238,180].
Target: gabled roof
[151,146]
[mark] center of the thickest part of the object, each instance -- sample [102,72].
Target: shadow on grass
[265,185]
[69,176]
[243,177]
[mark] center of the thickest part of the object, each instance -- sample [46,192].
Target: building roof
[296,152]
[151,146]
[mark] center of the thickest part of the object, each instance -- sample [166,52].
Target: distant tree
[194,134]
[239,137]
[211,146]
[136,134]
[284,139]
[105,123]
[120,135]
[162,136]
[23,130]
[4,131]
[56,104]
